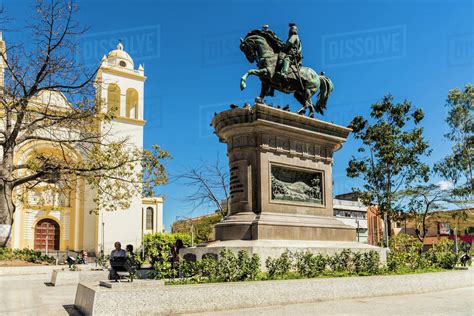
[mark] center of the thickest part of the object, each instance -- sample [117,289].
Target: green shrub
[158,245]
[189,269]
[277,267]
[442,255]
[26,254]
[340,262]
[249,267]
[366,262]
[208,268]
[309,265]
[162,270]
[227,267]
[406,253]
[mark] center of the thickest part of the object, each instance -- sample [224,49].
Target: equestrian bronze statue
[280,68]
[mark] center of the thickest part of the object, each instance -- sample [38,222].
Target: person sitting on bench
[117,254]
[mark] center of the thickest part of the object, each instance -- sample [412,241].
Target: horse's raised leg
[243,79]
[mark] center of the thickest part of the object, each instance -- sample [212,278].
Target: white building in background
[72,227]
[153,215]
[351,211]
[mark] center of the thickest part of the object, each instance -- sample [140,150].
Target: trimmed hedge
[405,256]
[25,254]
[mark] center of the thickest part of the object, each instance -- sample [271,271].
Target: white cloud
[444,185]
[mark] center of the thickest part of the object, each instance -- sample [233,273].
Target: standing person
[84,256]
[118,252]
[175,252]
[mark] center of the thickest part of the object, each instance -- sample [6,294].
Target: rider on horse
[291,52]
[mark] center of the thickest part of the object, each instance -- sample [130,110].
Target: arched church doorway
[47,235]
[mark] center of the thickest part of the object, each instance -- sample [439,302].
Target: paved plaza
[450,302]
[31,295]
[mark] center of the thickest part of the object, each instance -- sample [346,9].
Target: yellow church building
[51,218]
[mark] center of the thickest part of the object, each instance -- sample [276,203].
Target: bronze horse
[264,48]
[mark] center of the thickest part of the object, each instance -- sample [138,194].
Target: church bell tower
[120,87]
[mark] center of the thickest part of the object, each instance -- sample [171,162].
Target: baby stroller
[121,269]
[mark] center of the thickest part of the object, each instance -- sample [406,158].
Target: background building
[351,211]
[374,226]
[440,225]
[201,227]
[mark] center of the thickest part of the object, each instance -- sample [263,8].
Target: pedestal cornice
[266,118]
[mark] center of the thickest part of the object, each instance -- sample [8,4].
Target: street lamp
[102,246]
[357,222]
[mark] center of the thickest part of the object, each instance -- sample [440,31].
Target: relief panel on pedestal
[295,185]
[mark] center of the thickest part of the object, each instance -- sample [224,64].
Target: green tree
[421,200]
[390,154]
[202,227]
[456,167]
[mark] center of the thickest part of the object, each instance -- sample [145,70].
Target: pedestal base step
[276,226]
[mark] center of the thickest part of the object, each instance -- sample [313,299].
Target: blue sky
[417,50]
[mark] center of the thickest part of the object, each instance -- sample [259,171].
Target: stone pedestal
[280,176]
[66,277]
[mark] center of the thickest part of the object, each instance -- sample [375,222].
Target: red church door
[47,235]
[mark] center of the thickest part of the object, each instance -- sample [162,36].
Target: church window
[123,64]
[149,218]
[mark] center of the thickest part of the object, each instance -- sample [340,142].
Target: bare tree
[209,183]
[35,75]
